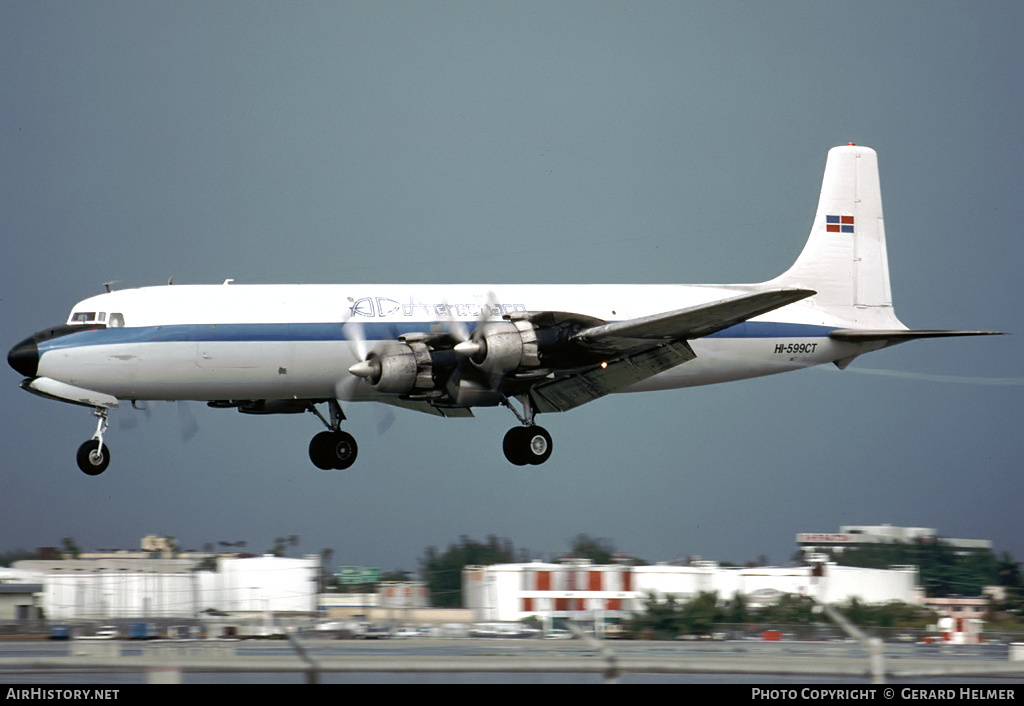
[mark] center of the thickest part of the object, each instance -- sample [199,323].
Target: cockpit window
[96,317]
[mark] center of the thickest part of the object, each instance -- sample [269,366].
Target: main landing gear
[528,445]
[94,456]
[333,449]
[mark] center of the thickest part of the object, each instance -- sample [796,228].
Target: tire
[527,446]
[319,451]
[92,459]
[330,450]
[537,445]
[514,446]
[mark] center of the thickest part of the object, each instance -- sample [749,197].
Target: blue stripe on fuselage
[375,331]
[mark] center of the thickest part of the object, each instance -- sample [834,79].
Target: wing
[565,393]
[560,359]
[644,347]
[689,323]
[426,407]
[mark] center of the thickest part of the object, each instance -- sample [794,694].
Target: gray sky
[511,142]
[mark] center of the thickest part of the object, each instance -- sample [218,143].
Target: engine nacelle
[399,369]
[505,346]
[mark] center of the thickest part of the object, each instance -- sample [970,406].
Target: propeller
[131,421]
[188,427]
[187,424]
[470,348]
[355,332]
[472,342]
[468,334]
[367,367]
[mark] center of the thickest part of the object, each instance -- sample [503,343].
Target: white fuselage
[244,342]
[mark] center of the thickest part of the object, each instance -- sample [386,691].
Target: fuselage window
[116,320]
[83,317]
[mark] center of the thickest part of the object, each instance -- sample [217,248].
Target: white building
[580,589]
[155,588]
[20,593]
[403,594]
[854,536]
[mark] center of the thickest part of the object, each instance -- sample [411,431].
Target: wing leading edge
[686,324]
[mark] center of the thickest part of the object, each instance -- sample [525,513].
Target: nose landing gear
[94,456]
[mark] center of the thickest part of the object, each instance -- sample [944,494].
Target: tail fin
[845,259]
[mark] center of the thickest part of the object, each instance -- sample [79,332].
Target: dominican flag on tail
[839,224]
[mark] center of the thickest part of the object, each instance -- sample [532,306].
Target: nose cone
[24,358]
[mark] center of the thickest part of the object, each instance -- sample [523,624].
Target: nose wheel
[94,456]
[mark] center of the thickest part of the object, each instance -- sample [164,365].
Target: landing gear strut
[94,456]
[529,444]
[333,449]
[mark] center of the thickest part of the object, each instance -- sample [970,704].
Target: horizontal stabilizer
[899,335]
[687,324]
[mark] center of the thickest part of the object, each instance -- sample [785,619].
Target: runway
[431,660]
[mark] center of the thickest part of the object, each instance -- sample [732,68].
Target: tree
[944,570]
[396,576]
[701,614]
[8,558]
[661,619]
[598,550]
[736,610]
[325,568]
[443,572]
[790,609]
[665,618]
[281,542]
[1011,579]
[888,615]
[69,547]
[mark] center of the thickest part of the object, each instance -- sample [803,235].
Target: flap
[571,391]
[424,406]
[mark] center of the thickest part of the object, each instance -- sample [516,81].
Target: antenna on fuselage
[106,285]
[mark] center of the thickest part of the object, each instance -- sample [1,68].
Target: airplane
[445,349]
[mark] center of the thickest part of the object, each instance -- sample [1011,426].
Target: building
[581,590]
[20,593]
[973,608]
[403,594]
[166,588]
[860,536]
